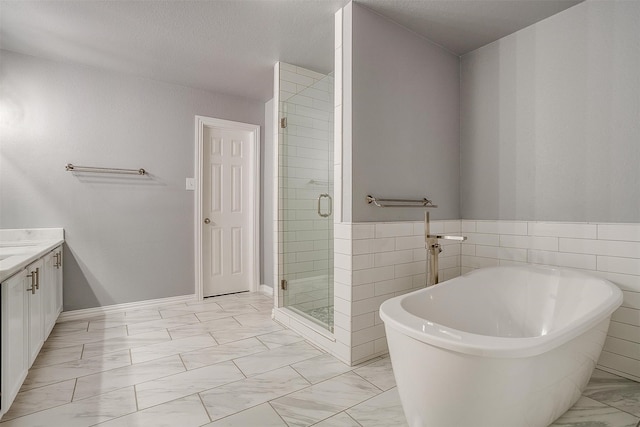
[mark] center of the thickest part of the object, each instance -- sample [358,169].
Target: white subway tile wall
[611,251]
[382,260]
[379,261]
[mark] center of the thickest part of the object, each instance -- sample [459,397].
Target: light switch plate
[191,184]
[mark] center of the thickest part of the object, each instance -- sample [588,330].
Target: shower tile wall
[375,262]
[306,100]
[611,251]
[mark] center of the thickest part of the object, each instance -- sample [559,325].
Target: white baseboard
[267,290]
[116,308]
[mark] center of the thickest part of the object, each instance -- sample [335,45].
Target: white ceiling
[230,46]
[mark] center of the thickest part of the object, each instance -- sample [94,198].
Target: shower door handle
[320,197]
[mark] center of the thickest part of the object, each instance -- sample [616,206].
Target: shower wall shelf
[73,168]
[400,203]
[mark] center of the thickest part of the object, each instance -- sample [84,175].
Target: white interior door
[228,263]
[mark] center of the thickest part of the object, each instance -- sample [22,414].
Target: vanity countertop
[20,247]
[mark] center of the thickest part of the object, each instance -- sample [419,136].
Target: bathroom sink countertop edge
[19,248]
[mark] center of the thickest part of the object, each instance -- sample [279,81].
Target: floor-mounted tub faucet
[433,249]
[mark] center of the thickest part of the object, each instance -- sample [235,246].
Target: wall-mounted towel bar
[401,203]
[73,168]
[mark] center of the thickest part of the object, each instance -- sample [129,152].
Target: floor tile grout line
[206,411]
[235,413]
[312,385]
[142,382]
[135,397]
[171,375]
[45,364]
[325,379]
[234,318]
[345,412]
[70,378]
[368,399]
[214,339]
[47,385]
[189,370]
[3,420]
[183,364]
[225,360]
[75,386]
[126,348]
[95,373]
[114,418]
[614,407]
[277,413]
[238,368]
[381,390]
[79,333]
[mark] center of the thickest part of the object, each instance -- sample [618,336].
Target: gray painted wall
[405,112]
[266,210]
[551,119]
[128,238]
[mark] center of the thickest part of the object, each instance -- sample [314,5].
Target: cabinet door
[51,287]
[14,330]
[58,283]
[35,272]
[48,288]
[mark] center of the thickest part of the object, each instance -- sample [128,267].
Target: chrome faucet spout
[434,248]
[446,237]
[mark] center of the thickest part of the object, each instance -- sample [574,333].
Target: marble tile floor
[223,362]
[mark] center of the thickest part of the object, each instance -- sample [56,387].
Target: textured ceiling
[465,25]
[230,46]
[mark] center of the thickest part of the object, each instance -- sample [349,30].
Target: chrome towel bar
[401,203]
[73,168]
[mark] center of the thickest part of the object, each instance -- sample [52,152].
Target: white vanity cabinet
[31,301]
[15,337]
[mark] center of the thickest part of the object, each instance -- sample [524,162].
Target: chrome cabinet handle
[207,220]
[37,273]
[320,197]
[33,282]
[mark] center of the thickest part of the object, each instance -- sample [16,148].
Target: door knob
[207,220]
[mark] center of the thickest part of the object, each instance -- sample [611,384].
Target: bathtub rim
[396,317]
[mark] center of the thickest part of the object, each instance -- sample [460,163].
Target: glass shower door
[306,202]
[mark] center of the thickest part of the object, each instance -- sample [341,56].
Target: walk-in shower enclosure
[305,195]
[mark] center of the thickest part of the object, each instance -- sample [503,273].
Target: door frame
[254,188]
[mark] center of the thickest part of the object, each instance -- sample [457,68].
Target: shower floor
[322,314]
[312,298]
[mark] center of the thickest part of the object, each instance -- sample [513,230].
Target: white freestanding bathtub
[497,347]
